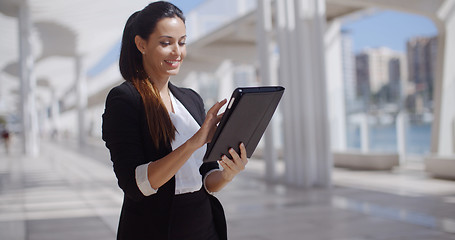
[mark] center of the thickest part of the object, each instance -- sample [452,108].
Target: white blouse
[188,179]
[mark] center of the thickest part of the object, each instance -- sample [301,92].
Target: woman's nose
[176,49]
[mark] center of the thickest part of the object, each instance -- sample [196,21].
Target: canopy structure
[59,60]
[58,33]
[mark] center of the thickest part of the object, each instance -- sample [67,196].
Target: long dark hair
[143,23]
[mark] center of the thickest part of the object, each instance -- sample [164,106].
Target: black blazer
[127,137]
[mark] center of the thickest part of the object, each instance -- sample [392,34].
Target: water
[383,138]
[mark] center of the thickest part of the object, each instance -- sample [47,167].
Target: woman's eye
[165,43]
[182,43]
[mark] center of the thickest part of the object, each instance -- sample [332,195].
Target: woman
[157,135]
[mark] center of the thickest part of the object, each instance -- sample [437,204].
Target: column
[401,121]
[364,133]
[311,18]
[28,83]
[82,99]
[301,29]
[287,73]
[442,141]
[225,77]
[55,115]
[265,52]
[335,85]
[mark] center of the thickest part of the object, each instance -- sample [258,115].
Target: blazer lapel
[188,101]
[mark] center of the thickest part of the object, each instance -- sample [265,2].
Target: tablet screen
[247,115]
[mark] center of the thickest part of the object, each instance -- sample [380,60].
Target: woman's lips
[173,63]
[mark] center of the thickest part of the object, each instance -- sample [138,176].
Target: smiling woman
[164,50]
[157,135]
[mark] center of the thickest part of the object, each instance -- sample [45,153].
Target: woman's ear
[140,44]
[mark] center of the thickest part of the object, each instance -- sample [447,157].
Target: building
[398,77]
[362,77]
[380,72]
[421,54]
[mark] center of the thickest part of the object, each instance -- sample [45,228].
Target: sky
[383,28]
[388,28]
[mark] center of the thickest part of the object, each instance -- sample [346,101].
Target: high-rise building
[398,77]
[380,72]
[363,76]
[421,54]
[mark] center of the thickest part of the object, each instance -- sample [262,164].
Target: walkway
[68,194]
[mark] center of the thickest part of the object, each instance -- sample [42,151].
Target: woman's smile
[173,63]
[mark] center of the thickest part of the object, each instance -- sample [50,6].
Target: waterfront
[383,138]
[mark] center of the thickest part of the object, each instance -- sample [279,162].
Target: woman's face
[165,49]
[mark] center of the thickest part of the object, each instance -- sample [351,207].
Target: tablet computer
[247,115]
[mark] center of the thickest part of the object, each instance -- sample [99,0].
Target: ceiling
[61,31]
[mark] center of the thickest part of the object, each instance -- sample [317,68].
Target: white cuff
[142,180]
[206,175]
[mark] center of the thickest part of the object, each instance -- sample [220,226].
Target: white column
[28,83]
[301,28]
[43,123]
[55,115]
[442,141]
[364,133]
[285,31]
[82,99]
[401,121]
[265,52]
[335,85]
[311,22]
[225,76]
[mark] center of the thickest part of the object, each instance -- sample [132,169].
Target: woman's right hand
[205,133]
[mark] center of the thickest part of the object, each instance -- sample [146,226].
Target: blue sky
[389,28]
[383,28]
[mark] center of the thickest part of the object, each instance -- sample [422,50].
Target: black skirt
[192,217]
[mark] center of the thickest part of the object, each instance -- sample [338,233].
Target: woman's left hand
[231,167]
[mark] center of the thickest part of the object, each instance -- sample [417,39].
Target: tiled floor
[72,194]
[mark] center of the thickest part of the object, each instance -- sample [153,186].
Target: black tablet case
[247,115]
